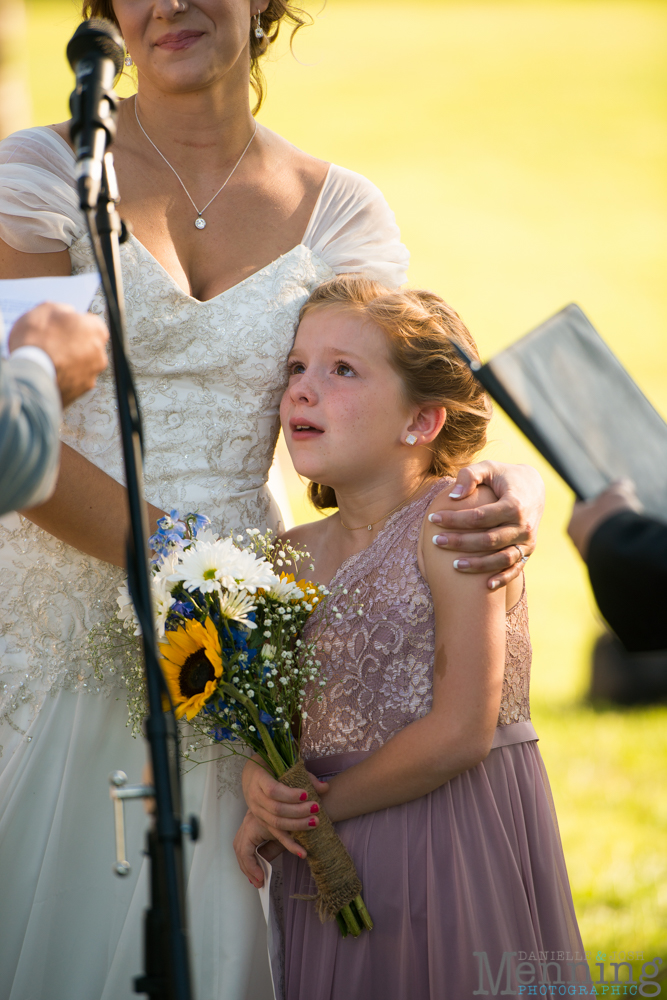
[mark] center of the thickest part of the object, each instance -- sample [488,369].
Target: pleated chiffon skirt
[461,884]
[71,929]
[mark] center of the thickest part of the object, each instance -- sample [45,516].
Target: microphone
[95,53]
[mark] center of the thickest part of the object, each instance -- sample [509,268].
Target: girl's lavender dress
[464,884]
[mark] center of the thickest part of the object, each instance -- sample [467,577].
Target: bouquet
[230,620]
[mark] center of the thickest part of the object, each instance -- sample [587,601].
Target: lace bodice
[379,666]
[209,377]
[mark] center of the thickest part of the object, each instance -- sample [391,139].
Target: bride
[233,228]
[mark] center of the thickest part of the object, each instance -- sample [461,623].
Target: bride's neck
[206,127]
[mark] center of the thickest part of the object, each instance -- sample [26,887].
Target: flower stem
[350,921]
[341,925]
[363,913]
[275,759]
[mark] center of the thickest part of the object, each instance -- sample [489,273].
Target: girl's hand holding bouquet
[274,810]
[230,619]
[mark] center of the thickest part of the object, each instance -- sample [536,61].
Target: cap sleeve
[39,208]
[353,229]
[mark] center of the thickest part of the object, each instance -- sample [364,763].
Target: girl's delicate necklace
[392,511]
[200,223]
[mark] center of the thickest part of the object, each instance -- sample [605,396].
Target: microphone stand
[167,971]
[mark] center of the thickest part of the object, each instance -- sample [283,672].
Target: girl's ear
[427,424]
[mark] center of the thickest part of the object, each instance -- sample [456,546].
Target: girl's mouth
[302,430]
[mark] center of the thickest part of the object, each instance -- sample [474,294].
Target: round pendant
[200,223]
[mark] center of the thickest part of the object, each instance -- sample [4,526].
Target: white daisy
[285,590]
[247,571]
[162,602]
[237,607]
[207,535]
[202,564]
[167,566]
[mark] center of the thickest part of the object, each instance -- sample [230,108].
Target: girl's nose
[303,390]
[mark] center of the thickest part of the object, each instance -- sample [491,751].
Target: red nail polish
[303,796]
[312,822]
[314,808]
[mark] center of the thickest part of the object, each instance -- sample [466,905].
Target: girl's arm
[455,735]
[88,509]
[467,680]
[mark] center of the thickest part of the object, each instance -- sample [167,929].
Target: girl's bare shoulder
[308,536]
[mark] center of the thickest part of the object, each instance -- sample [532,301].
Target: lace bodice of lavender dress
[379,666]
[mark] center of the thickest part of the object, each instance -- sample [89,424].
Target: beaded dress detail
[379,666]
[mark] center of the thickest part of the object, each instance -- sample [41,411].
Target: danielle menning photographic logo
[559,973]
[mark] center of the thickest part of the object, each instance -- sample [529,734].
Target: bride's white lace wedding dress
[210,376]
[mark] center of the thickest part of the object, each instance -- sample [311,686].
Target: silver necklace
[200,222]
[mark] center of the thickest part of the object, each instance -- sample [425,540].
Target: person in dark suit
[626,555]
[55,356]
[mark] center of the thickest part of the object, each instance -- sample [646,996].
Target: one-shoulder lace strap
[405,522]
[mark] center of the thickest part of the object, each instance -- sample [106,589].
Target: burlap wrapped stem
[338,885]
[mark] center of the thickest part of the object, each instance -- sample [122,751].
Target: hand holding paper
[20,295]
[75,343]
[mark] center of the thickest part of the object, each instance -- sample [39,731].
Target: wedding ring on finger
[524,558]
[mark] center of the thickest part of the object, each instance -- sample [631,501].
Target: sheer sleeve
[353,229]
[39,209]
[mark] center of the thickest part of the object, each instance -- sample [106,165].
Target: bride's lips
[175,40]
[302,430]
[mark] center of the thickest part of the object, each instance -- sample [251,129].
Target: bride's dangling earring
[128,60]
[259,30]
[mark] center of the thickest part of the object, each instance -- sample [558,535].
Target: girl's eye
[343,369]
[296,368]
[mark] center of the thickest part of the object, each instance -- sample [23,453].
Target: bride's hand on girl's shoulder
[447,572]
[495,537]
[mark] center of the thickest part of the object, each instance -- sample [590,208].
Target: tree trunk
[15,106]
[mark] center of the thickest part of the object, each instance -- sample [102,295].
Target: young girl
[435,783]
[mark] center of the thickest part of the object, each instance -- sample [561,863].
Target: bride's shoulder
[63,130]
[42,148]
[309,172]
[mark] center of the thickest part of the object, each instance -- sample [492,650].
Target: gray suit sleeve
[30,415]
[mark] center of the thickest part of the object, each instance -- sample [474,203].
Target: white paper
[19,295]
[273,934]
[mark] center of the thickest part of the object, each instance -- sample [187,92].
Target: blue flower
[184,608]
[197,521]
[220,733]
[265,717]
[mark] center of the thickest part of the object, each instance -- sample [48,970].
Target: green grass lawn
[523,147]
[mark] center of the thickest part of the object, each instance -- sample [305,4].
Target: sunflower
[192,665]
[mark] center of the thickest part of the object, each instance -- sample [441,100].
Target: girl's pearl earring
[411,439]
